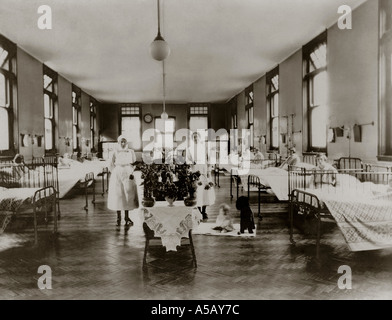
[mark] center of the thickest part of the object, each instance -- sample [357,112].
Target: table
[171,223]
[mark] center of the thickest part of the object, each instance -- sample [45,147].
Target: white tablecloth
[171,223]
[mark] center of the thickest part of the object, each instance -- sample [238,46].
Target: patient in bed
[65,161]
[292,160]
[258,157]
[325,173]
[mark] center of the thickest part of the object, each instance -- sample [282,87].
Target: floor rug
[207,229]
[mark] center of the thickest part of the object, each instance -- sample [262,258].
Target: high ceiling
[218,47]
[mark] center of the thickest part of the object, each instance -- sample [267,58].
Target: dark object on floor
[128,223]
[247,219]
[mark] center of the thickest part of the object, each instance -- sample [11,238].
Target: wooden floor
[92,259]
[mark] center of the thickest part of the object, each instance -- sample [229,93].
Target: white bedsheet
[273,177]
[70,175]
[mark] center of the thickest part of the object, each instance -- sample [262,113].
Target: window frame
[53,100]
[234,114]
[384,150]
[93,122]
[271,93]
[249,110]
[308,76]
[76,108]
[10,76]
[138,115]
[199,114]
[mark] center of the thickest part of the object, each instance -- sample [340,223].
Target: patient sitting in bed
[65,161]
[258,157]
[292,160]
[325,173]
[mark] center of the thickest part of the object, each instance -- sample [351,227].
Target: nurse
[122,193]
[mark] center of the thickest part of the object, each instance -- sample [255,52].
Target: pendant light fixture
[159,48]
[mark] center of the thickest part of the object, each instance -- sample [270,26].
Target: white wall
[353,82]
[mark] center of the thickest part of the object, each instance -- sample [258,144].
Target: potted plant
[187,183]
[150,180]
[170,192]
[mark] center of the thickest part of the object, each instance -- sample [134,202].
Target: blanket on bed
[11,200]
[363,212]
[366,224]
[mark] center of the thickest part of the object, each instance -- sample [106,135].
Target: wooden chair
[149,234]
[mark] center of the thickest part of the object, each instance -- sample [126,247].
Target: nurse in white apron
[122,193]
[199,162]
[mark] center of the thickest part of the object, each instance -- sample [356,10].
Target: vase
[170,201]
[148,202]
[190,201]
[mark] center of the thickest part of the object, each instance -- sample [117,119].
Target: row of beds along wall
[37,186]
[310,194]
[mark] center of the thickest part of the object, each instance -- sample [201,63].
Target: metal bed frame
[19,175]
[88,181]
[49,162]
[254,181]
[309,204]
[235,178]
[350,163]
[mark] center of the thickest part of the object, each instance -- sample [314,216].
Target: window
[385,88]
[315,84]
[249,111]
[165,137]
[93,123]
[233,106]
[76,117]
[273,107]
[7,95]
[131,125]
[198,116]
[50,108]
[196,123]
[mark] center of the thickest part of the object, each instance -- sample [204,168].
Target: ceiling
[218,47]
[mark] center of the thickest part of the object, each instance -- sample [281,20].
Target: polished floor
[92,259]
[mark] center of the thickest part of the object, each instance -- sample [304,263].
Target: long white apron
[122,194]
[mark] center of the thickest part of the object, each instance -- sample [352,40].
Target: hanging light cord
[159,21]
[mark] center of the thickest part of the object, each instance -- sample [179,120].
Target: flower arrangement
[187,180]
[174,181]
[170,190]
[150,179]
